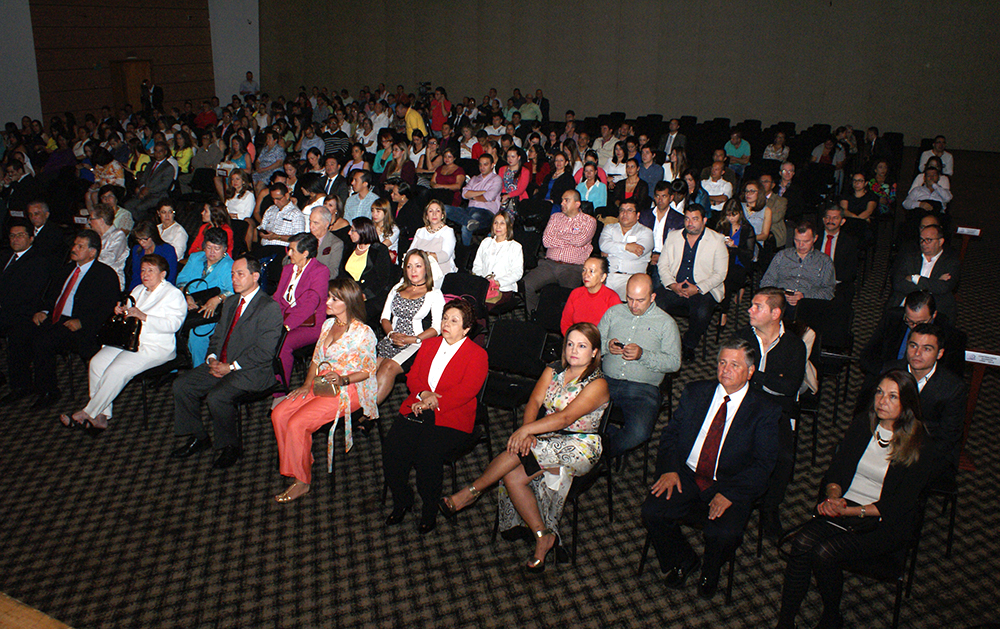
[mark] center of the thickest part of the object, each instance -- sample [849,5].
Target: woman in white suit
[162,308]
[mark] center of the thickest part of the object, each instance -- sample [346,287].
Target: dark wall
[76,41]
[923,69]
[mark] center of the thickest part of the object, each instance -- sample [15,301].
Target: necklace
[337,322]
[882,443]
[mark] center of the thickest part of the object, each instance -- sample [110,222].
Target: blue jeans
[698,308]
[463,216]
[640,404]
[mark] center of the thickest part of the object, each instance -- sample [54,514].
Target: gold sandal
[538,565]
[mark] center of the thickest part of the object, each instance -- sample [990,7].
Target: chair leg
[899,604]
[642,557]
[576,513]
[760,531]
[454,477]
[729,583]
[951,525]
[815,431]
[332,476]
[496,527]
[611,495]
[645,463]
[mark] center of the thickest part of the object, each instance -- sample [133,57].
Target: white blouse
[241,207]
[176,237]
[504,260]
[866,486]
[441,243]
[441,359]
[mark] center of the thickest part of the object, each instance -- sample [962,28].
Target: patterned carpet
[112,533]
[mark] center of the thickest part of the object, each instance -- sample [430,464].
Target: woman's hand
[431,400]
[521,442]
[208,310]
[119,309]
[301,392]
[190,303]
[401,340]
[135,312]
[832,507]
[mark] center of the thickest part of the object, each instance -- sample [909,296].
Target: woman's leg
[434,444]
[801,563]
[516,481]
[294,422]
[497,469]
[397,459]
[385,375]
[299,337]
[122,367]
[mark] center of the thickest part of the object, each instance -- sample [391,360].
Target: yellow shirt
[414,121]
[184,159]
[356,264]
[140,162]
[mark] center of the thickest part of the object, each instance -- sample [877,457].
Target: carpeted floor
[112,533]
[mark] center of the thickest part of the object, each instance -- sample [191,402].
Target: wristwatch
[232,366]
[862,511]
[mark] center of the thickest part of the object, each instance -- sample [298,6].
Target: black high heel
[538,565]
[397,515]
[448,507]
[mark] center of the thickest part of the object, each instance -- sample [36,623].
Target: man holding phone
[643,345]
[802,272]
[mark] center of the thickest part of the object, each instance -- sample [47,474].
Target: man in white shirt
[931,196]
[249,86]
[605,145]
[628,246]
[497,128]
[715,455]
[947,159]
[380,116]
[934,269]
[718,189]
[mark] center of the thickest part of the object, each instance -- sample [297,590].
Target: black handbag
[194,318]
[121,331]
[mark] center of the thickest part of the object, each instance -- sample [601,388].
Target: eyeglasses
[927,241]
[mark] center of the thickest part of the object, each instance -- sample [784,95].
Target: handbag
[328,384]
[121,331]
[194,318]
[493,292]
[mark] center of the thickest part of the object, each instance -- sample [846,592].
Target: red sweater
[582,306]
[458,387]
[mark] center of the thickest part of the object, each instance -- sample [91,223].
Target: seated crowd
[331,226]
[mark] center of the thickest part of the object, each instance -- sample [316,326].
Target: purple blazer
[310,294]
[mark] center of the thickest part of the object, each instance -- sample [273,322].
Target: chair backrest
[515,347]
[279,371]
[530,244]
[551,302]
[467,285]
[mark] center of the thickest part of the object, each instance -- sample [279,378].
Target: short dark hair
[662,186]
[931,329]
[937,228]
[465,308]
[113,189]
[749,351]
[918,299]
[367,234]
[805,226]
[404,189]
[305,243]
[775,298]
[93,239]
[253,264]
[216,236]
[366,175]
[278,187]
[156,260]
[695,207]
[312,183]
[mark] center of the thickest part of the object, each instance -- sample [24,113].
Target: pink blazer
[310,294]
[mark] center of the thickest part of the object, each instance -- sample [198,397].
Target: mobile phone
[618,344]
[789,292]
[530,464]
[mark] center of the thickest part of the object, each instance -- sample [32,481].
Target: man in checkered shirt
[281,221]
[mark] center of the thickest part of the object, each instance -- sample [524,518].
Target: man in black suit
[715,458]
[873,149]
[674,139]
[779,370]
[842,247]
[333,183]
[80,298]
[889,341]
[942,393]
[153,183]
[49,238]
[24,274]
[152,96]
[792,191]
[20,189]
[239,360]
[935,269]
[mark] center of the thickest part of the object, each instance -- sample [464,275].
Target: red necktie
[829,245]
[65,295]
[705,473]
[239,310]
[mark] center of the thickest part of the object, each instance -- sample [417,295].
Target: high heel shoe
[397,515]
[448,507]
[538,565]
[67,422]
[286,496]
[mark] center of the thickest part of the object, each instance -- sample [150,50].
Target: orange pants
[295,421]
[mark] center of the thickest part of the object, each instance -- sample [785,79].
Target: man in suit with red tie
[714,461]
[80,299]
[153,183]
[24,274]
[239,360]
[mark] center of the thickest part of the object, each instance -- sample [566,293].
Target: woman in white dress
[437,240]
[170,230]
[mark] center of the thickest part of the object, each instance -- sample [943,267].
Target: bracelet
[862,511]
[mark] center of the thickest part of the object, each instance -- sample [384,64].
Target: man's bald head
[639,293]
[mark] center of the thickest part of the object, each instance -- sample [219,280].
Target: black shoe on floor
[708,585]
[193,446]
[228,457]
[427,525]
[46,400]
[679,575]
[397,515]
[14,396]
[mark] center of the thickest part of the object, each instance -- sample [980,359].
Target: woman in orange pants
[346,351]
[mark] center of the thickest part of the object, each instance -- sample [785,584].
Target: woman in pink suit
[302,296]
[437,416]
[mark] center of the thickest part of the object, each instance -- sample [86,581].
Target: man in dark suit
[935,269]
[942,393]
[873,149]
[674,139]
[889,341]
[24,274]
[715,458]
[791,190]
[21,188]
[80,298]
[779,370]
[239,360]
[152,96]
[153,183]
[333,183]
[49,238]
[842,247]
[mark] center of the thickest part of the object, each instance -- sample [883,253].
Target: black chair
[809,402]
[181,361]
[480,434]
[280,385]
[514,366]
[946,486]
[530,244]
[582,483]
[551,303]
[468,285]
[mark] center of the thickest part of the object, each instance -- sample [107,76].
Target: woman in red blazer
[302,296]
[437,417]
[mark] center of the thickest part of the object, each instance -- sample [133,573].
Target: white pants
[112,368]
[618,282]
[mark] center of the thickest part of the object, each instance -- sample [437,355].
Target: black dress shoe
[193,446]
[397,515]
[708,585]
[14,396]
[677,577]
[830,621]
[426,526]
[228,457]
[46,400]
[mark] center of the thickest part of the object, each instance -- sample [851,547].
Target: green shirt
[654,331]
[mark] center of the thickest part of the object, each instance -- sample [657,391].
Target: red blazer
[310,294]
[459,385]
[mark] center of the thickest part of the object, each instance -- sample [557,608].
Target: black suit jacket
[93,303]
[21,193]
[640,195]
[845,256]
[795,196]
[22,285]
[943,290]
[253,342]
[901,487]
[379,273]
[748,454]
[942,409]
[786,366]
[51,242]
[340,188]
[883,347]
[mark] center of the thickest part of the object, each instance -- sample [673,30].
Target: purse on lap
[121,331]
